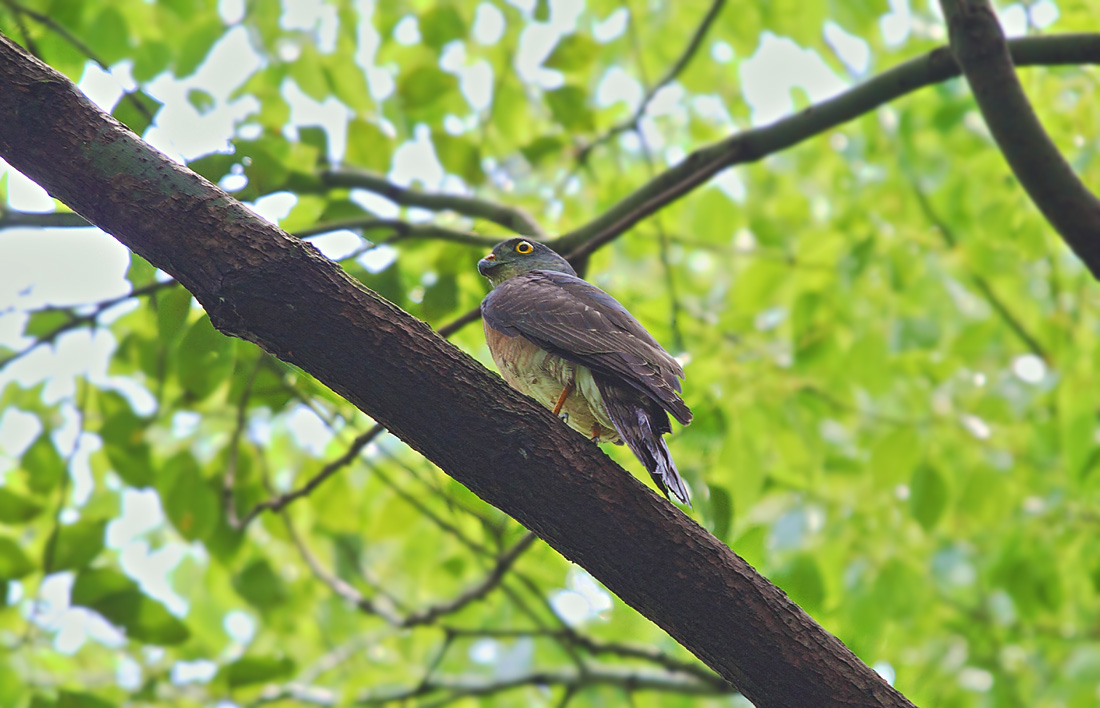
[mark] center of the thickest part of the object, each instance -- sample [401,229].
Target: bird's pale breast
[542,376]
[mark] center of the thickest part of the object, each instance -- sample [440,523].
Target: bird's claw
[564,417]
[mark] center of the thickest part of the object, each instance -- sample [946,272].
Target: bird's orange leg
[564,395]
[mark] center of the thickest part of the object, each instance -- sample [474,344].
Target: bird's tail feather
[635,425]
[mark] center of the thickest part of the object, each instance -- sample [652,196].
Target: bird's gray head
[517,256]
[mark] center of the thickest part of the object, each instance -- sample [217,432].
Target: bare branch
[512,218]
[980,48]
[752,145]
[402,230]
[89,319]
[11,219]
[476,592]
[279,502]
[671,75]
[980,282]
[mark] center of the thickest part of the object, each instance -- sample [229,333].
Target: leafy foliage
[891,366]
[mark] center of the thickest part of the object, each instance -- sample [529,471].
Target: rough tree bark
[260,284]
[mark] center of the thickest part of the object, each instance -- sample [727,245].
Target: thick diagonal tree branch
[262,285]
[980,48]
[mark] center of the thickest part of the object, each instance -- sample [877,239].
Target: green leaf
[173,306]
[927,496]
[137,110]
[42,323]
[721,509]
[109,36]
[801,579]
[424,86]
[568,105]
[250,670]
[204,359]
[459,156]
[17,509]
[43,465]
[190,503]
[14,563]
[123,436]
[202,101]
[308,71]
[542,148]
[118,600]
[260,585]
[368,146]
[76,545]
[440,25]
[574,53]
[196,45]
[79,699]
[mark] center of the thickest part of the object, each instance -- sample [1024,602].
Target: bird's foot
[564,417]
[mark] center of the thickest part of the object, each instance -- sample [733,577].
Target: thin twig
[278,503]
[510,217]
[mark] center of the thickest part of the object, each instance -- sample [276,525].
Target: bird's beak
[487,264]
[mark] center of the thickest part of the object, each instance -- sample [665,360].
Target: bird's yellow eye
[524,247]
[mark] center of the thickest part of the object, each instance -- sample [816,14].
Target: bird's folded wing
[579,322]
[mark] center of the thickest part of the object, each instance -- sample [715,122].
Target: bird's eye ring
[524,247]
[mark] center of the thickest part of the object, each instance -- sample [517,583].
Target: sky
[63,267]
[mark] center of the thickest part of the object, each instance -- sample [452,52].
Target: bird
[573,348]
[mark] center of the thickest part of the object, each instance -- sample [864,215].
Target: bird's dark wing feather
[579,322]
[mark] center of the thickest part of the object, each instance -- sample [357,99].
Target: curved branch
[671,75]
[512,218]
[980,48]
[402,231]
[751,145]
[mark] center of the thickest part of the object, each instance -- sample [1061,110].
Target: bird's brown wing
[579,322]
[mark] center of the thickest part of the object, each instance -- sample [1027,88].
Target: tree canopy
[889,350]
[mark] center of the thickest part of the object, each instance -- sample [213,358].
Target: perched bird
[577,351]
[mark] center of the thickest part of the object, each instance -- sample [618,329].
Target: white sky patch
[488,24]
[60,267]
[721,52]
[240,626]
[886,671]
[582,601]
[476,84]
[100,86]
[308,429]
[976,426]
[18,430]
[612,26]
[316,16]
[198,671]
[415,160]
[179,128]
[330,114]
[896,24]
[1029,368]
[151,569]
[23,195]
[407,31]
[141,513]
[231,11]
[778,66]
[853,51]
[1043,14]
[275,206]
[128,673]
[338,244]
[617,85]
[1014,20]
